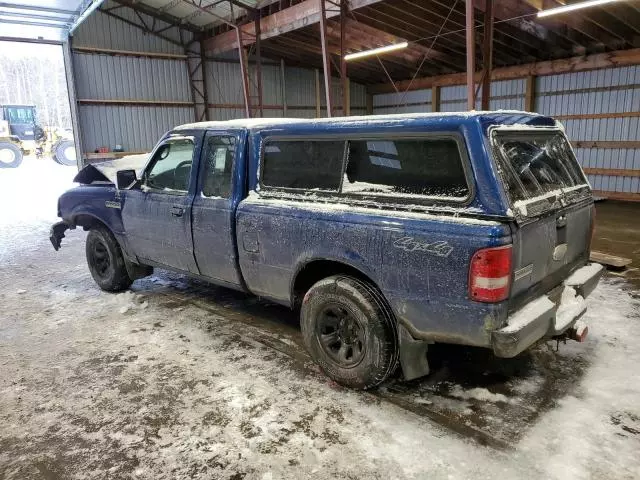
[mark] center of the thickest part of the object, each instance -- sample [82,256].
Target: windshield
[19,114]
[536,163]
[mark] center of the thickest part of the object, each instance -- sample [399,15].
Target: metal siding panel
[297,113]
[301,87]
[103,77]
[100,30]
[135,128]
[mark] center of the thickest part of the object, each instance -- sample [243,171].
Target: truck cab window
[170,167]
[218,166]
[303,164]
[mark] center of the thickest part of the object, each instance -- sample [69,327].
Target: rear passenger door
[213,220]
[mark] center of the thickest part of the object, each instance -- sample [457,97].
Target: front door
[214,208]
[157,216]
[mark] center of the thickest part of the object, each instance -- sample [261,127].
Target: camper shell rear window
[536,164]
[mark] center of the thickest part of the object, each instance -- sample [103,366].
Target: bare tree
[34,80]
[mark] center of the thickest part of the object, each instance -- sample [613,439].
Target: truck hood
[105,172]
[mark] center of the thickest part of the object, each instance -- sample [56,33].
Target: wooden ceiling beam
[619,58]
[449,40]
[379,38]
[515,14]
[579,23]
[292,18]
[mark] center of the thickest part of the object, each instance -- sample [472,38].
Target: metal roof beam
[32,24]
[36,17]
[37,9]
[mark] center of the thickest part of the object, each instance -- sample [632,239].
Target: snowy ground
[176,380]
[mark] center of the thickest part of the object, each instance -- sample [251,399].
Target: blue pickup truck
[387,233]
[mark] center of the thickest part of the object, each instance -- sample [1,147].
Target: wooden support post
[487,54]
[346,97]
[435,98]
[346,107]
[471,55]
[205,92]
[244,73]
[326,61]
[259,61]
[369,103]
[530,94]
[283,74]
[318,112]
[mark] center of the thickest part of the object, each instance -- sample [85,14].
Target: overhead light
[573,6]
[376,51]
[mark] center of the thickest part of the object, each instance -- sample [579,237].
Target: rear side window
[406,167]
[302,164]
[536,163]
[218,165]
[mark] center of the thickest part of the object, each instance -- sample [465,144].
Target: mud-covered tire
[10,155]
[105,260]
[349,331]
[61,153]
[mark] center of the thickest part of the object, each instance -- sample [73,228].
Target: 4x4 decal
[410,244]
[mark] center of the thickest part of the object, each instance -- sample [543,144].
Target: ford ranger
[387,233]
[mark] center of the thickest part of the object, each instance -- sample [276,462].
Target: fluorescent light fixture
[376,51]
[573,6]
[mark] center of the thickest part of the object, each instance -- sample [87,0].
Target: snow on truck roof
[368,119]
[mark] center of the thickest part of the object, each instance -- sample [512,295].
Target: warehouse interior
[177,378]
[138,68]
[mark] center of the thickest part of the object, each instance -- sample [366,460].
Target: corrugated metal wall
[505,95]
[599,92]
[101,77]
[113,88]
[574,98]
[224,88]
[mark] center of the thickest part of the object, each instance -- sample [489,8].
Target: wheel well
[88,221]
[317,270]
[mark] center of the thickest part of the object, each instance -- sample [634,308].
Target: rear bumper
[548,315]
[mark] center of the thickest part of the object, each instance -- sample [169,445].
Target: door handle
[177,211]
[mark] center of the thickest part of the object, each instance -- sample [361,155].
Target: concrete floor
[179,379]
[618,233]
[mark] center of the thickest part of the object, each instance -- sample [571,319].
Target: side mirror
[126,179]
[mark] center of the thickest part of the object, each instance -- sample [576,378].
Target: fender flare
[305,261]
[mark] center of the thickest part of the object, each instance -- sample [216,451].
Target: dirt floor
[176,379]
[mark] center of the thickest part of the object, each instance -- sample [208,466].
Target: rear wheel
[10,155]
[349,331]
[105,260]
[64,152]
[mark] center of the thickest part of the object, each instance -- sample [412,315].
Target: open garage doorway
[34,105]
[37,151]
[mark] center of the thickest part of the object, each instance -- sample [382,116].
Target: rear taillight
[490,274]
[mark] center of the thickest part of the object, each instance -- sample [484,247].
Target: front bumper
[548,315]
[56,234]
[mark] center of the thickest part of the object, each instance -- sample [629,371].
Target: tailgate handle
[177,211]
[561,221]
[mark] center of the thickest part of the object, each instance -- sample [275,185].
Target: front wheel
[349,331]
[10,155]
[105,260]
